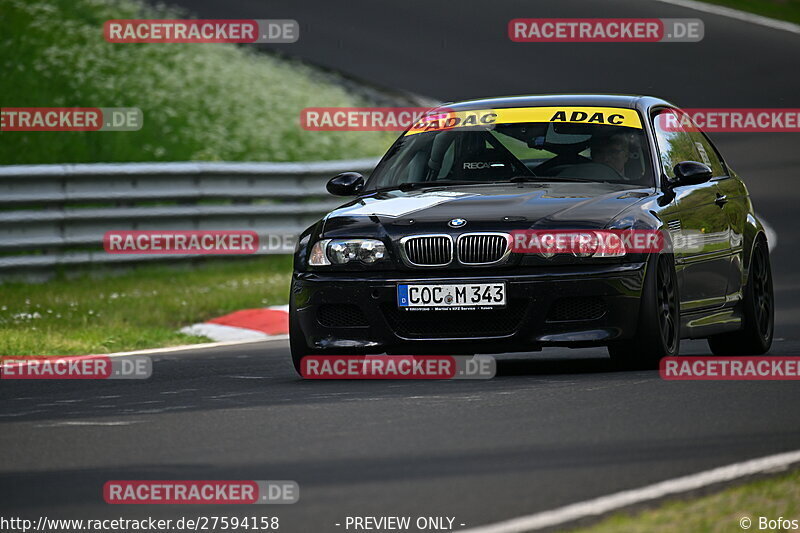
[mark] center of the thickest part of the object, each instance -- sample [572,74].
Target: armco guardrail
[57,214]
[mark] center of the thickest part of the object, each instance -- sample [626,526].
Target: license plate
[464,296]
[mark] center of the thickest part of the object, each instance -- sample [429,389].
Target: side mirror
[346,184]
[690,173]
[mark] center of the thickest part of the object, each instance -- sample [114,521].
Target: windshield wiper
[424,184]
[523,179]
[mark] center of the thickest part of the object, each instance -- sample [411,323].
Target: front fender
[752,231]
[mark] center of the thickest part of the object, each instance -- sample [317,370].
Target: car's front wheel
[758,309]
[658,330]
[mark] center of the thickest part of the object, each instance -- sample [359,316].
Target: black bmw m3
[423,261]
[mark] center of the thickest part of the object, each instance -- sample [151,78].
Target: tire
[758,311]
[658,331]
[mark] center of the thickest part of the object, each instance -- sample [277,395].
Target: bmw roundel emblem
[457,223]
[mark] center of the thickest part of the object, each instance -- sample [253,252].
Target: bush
[200,101]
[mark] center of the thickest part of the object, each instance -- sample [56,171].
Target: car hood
[485,208]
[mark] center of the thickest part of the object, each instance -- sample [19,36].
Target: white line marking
[614,502]
[772,237]
[186,347]
[82,423]
[736,14]
[21,414]
[199,346]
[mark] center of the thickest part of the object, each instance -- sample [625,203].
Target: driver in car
[612,151]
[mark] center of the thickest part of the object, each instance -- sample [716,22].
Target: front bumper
[357,313]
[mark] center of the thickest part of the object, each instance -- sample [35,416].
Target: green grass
[777,9]
[717,513]
[200,101]
[108,311]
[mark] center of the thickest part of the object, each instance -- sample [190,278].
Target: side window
[674,144]
[708,154]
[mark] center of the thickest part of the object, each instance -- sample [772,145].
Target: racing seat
[486,164]
[634,168]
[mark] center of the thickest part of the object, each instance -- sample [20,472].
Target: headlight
[580,243]
[610,244]
[344,251]
[598,244]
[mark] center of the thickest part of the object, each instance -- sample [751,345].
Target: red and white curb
[245,325]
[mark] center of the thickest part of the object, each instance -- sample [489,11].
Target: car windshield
[519,144]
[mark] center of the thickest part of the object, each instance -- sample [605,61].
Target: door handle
[721,200]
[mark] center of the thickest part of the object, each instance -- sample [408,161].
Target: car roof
[640,102]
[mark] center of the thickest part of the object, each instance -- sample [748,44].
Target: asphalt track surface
[553,428]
